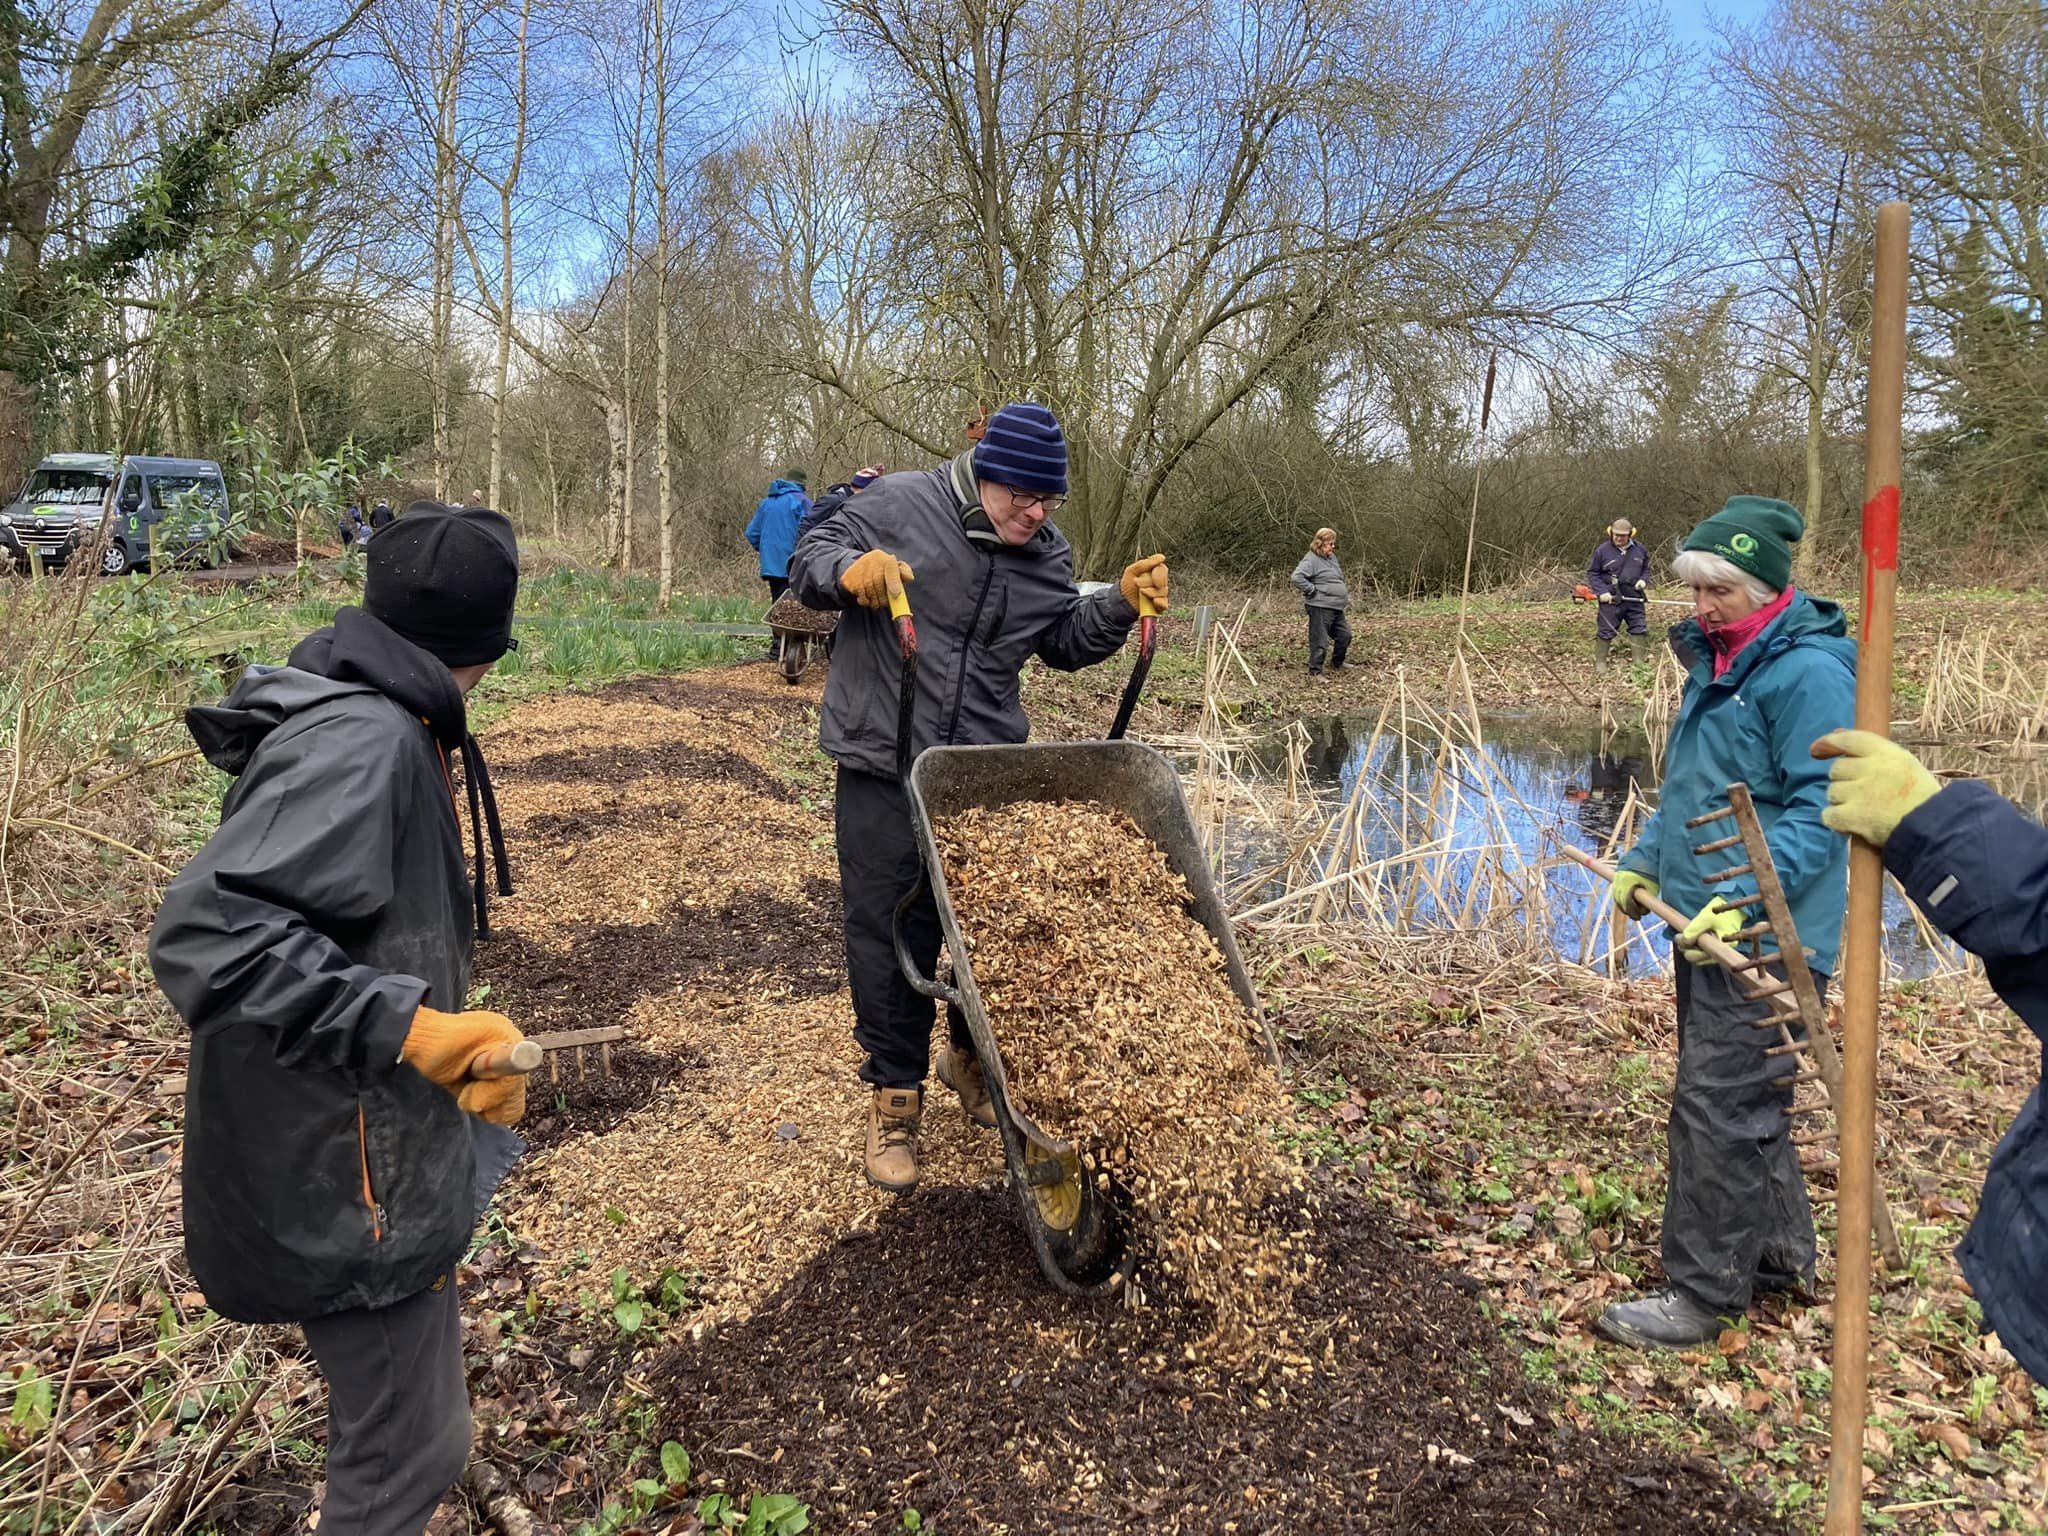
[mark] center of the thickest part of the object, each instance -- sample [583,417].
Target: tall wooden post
[1862,959]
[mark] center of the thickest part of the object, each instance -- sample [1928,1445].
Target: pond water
[1544,778]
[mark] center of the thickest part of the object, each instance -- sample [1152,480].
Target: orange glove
[500,1100]
[867,580]
[1147,576]
[442,1045]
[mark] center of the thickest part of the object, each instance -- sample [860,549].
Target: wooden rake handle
[1722,952]
[506,1061]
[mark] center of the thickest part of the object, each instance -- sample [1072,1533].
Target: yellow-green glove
[1873,785]
[1623,892]
[1717,918]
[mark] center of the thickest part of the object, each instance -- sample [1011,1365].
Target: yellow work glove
[1873,785]
[1623,892]
[1717,918]
[1146,577]
[867,580]
[500,1100]
[442,1045]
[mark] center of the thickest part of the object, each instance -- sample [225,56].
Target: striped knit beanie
[1025,448]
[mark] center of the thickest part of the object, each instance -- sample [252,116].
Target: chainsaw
[1585,594]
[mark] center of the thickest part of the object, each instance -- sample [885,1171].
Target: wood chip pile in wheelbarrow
[1120,1034]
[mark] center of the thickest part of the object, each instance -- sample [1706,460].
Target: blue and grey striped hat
[1023,446]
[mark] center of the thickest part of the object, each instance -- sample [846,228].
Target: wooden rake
[1794,1000]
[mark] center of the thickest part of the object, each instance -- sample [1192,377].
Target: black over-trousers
[1736,1200]
[1327,626]
[398,1425]
[878,864]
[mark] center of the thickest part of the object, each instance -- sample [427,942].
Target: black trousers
[1327,626]
[398,1426]
[879,864]
[777,585]
[1736,1200]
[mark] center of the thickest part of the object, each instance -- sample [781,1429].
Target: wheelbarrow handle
[1148,642]
[930,986]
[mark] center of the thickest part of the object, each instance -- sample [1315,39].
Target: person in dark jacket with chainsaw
[1770,669]
[991,583]
[1619,576]
[1978,867]
[337,1152]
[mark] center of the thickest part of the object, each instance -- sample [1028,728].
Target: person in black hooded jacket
[337,1156]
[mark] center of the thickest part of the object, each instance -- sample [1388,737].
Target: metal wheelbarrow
[796,633]
[1079,1231]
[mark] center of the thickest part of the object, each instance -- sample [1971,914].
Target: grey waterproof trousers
[398,1427]
[1736,1201]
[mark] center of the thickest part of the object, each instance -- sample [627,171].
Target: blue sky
[1692,20]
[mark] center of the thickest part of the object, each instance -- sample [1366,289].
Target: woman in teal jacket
[1771,670]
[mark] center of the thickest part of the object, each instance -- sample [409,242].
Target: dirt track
[674,845]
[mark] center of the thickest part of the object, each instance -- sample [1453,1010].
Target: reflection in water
[1543,777]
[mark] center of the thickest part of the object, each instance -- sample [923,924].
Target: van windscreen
[67,487]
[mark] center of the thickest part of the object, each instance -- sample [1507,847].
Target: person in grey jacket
[991,583]
[1320,581]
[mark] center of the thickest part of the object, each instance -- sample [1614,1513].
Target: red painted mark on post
[1880,547]
[1881,529]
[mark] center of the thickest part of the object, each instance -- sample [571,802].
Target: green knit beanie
[1755,534]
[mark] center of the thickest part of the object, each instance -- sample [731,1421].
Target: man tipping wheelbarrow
[994,586]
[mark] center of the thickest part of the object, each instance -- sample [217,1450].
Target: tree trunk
[615,479]
[450,25]
[506,188]
[17,430]
[1807,550]
[663,471]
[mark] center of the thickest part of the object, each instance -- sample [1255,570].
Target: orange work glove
[867,580]
[1147,576]
[500,1100]
[442,1045]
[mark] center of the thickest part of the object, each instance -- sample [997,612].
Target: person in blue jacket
[773,529]
[1978,868]
[1770,670]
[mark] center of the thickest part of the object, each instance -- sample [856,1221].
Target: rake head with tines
[573,1043]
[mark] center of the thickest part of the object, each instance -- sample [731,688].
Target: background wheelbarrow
[796,634]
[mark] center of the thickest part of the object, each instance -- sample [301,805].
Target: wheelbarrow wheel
[1081,1222]
[795,656]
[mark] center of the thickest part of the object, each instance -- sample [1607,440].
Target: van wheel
[114,559]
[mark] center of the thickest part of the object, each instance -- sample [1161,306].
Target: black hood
[359,649]
[360,654]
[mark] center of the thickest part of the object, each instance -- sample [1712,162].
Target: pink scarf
[1729,639]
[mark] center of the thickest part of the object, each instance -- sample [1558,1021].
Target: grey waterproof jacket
[1320,581]
[320,1172]
[982,610]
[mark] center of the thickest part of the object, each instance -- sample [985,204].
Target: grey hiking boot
[1666,1319]
[960,1070]
[893,1115]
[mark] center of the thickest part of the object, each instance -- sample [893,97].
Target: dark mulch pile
[927,1366]
[610,968]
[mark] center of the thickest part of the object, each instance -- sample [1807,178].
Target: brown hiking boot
[892,1138]
[960,1070]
